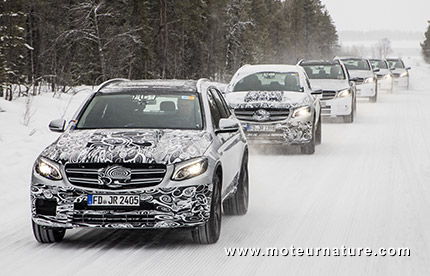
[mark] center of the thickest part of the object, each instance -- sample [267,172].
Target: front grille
[247,114]
[396,75]
[89,176]
[328,95]
[359,81]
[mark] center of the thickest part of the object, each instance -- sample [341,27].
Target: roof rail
[199,82]
[106,83]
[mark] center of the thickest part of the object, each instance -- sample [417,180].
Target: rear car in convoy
[400,72]
[385,76]
[275,105]
[338,92]
[363,75]
[143,155]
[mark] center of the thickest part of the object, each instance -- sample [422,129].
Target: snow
[367,185]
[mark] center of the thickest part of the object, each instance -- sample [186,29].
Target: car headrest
[167,106]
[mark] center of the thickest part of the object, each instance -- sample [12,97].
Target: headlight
[404,74]
[48,169]
[370,80]
[302,112]
[344,93]
[190,169]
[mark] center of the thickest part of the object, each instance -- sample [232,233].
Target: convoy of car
[338,96]
[151,154]
[276,106]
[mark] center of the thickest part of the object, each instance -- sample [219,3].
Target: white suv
[338,92]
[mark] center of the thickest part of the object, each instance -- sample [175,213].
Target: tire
[45,234]
[318,132]
[209,232]
[237,204]
[374,98]
[309,148]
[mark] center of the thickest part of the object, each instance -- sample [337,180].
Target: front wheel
[44,234]
[210,232]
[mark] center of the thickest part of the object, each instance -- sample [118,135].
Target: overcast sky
[367,15]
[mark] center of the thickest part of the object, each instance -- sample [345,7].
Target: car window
[324,71]
[220,102]
[379,64]
[356,64]
[396,63]
[215,112]
[269,81]
[142,109]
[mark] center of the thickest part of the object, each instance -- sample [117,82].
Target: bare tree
[383,48]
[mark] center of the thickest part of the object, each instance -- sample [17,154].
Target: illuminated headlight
[387,77]
[190,169]
[404,74]
[370,80]
[48,169]
[303,111]
[344,93]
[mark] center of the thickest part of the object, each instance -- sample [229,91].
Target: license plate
[113,200]
[261,128]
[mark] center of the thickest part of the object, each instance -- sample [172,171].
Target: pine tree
[425,46]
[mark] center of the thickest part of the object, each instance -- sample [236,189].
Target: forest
[75,42]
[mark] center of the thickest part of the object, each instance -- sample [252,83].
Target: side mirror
[58,125]
[393,68]
[227,125]
[408,68]
[376,70]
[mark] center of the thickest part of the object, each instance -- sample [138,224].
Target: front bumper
[385,83]
[336,107]
[366,90]
[401,81]
[285,133]
[168,207]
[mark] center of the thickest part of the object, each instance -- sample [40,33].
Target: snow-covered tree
[425,46]
[12,47]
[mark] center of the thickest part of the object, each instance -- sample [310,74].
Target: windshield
[356,64]
[324,71]
[396,63]
[140,109]
[377,63]
[270,81]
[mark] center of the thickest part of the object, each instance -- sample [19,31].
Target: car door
[232,144]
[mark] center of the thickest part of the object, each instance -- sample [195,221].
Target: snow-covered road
[367,185]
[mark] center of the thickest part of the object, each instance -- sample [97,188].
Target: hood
[267,99]
[128,146]
[360,74]
[332,85]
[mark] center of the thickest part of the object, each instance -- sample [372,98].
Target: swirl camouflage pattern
[131,146]
[169,208]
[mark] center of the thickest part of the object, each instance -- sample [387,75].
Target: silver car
[400,72]
[143,154]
